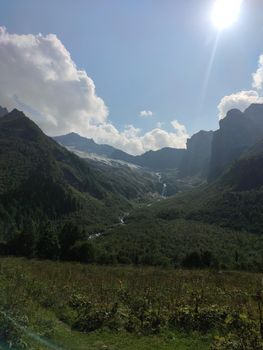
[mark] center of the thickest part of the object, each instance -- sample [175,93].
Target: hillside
[131,181]
[83,144]
[196,159]
[237,133]
[41,180]
[235,200]
[222,220]
[3,111]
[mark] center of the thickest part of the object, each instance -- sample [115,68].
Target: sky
[136,74]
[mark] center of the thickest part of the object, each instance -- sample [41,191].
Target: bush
[205,320]
[83,252]
[68,236]
[199,260]
[239,333]
[48,245]
[192,260]
[90,316]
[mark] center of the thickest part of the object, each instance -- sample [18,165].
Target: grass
[52,305]
[106,340]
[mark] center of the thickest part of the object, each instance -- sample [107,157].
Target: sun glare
[225,12]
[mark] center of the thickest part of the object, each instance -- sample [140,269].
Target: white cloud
[38,75]
[37,71]
[133,141]
[240,100]
[159,138]
[146,114]
[258,76]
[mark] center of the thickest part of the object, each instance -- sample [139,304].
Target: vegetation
[149,240]
[55,207]
[63,305]
[41,181]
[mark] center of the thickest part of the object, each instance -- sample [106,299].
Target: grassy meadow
[53,305]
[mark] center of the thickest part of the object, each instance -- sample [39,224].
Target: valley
[113,254]
[131,175]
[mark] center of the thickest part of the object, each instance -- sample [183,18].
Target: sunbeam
[208,72]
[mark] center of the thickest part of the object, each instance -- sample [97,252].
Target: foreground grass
[49,305]
[122,340]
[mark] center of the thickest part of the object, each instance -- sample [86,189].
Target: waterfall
[164,190]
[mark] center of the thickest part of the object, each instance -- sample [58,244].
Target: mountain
[165,158]
[223,219]
[42,180]
[3,111]
[237,133]
[193,161]
[75,141]
[197,157]
[130,180]
[162,159]
[246,173]
[234,200]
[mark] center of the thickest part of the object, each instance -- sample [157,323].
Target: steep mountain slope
[3,111]
[234,200]
[197,157]
[165,158]
[246,173]
[132,181]
[42,180]
[237,133]
[122,170]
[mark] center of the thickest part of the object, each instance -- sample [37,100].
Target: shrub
[82,252]
[205,320]
[239,333]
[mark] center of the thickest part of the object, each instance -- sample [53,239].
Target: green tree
[192,260]
[207,259]
[68,236]
[24,242]
[48,245]
[83,252]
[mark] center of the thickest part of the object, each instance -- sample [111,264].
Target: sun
[226,12]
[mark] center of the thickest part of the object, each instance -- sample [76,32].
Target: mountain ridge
[164,158]
[237,132]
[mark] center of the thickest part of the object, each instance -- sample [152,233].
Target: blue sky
[150,54]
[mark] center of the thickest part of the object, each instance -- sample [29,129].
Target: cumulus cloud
[240,100]
[243,99]
[258,76]
[146,114]
[37,72]
[38,75]
[161,138]
[133,141]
